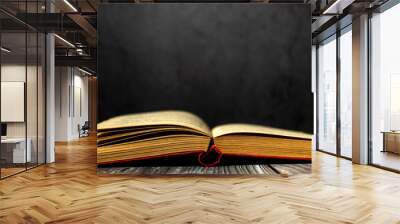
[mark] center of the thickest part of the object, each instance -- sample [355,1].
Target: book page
[228,129]
[145,132]
[178,118]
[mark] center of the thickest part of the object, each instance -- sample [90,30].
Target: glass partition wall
[22,98]
[335,90]
[385,89]
[327,95]
[13,123]
[334,93]
[345,92]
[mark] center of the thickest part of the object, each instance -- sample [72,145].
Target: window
[334,106]
[385,88]
[346,92]
[327,95]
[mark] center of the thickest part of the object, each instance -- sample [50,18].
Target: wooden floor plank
[70,191]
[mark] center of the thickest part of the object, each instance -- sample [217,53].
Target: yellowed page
[146,131]
[264,146]
[160,146]
[228,129]
[178,118]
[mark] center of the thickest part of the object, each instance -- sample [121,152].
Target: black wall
[226,62]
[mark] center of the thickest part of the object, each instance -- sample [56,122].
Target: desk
[16,147]
[391,141]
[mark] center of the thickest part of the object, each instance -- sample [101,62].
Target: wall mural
[204,84]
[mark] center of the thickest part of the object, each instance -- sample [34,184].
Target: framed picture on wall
[12,101]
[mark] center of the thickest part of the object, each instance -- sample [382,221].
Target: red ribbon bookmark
[213,149]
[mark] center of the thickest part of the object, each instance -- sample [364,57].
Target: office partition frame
[387,5]
[336,35]
[380,9]
[29,30]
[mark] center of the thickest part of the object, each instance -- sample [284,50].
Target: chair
[84,130]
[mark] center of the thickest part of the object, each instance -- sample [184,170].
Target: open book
[170,133]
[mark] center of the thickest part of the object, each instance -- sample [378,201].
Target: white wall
[80,112]
[16,73]
[9,73]
[62,81]
[71,102]
[33,126]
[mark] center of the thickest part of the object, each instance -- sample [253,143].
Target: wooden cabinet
[391,141]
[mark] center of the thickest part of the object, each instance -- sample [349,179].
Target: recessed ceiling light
[5,50]
[70,5]
[338,6]
[84,71]
[64,40]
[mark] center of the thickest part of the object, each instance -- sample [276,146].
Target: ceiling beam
[86,26]
[337,7]
[82,61]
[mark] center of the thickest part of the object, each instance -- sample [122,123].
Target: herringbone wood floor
[69,191]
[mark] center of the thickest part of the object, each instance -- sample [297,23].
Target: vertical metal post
[317,97]
[0,100]
[26,86]
[338,80]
